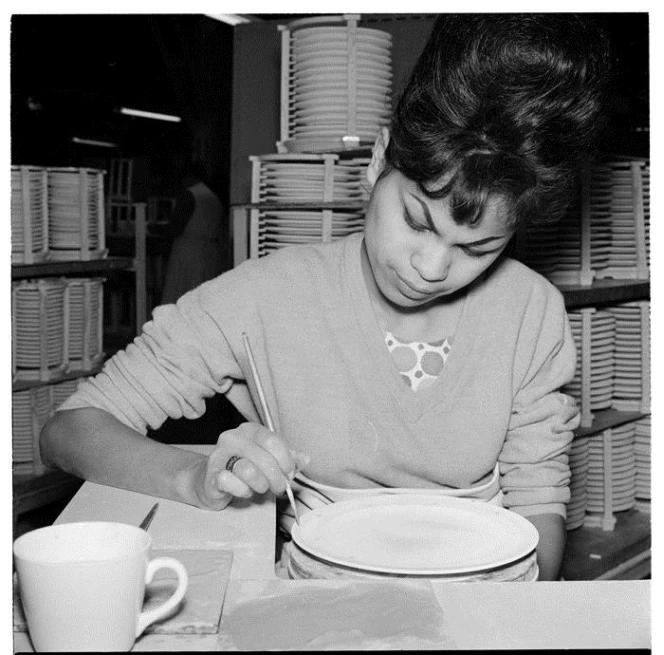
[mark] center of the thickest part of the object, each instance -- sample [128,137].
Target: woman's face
[416,251]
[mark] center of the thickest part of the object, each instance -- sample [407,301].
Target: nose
[432,263]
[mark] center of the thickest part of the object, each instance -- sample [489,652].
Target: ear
[377,163]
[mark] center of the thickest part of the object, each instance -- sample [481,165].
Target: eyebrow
[432,226]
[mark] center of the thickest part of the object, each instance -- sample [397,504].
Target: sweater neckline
[414,405]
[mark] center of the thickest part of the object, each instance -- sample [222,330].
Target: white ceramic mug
[82,585]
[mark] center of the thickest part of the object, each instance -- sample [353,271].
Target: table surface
[262,611]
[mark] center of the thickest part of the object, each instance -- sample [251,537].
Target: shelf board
[46,269]
[593,553]
[604,291]
[21,385]
[608,418]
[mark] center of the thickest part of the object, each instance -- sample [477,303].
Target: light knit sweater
[334,390]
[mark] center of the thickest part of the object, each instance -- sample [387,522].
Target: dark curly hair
[504,104]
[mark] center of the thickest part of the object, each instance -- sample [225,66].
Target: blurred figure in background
[196,233]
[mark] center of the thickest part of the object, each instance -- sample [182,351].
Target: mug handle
[150,616]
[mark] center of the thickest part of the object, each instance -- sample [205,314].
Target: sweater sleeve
[181,358]
[533,461]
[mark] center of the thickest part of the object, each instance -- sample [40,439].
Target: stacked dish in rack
[61,391]
[622,188]
[279,228]
[309,178]
[293,190]
[594,334]
[76,214]
[85,307]
[39,326]
[611,474]
[632,356]
[31,409]
[579,458]
[338,84]
[642,450]
[29,214]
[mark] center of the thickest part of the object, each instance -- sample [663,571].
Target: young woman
[415,355]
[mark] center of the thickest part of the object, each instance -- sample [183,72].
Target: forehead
[494,219]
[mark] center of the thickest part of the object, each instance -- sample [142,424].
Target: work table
[261,611]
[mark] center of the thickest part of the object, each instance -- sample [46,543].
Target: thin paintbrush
[266,413]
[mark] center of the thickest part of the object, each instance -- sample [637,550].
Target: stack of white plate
[304,181]
[62,390]
[579,458]
[38,316]
[632,350]
[617,195]
[85,321]
[569,258]
[319,110]
[29,184]
[30,410]
[75,204]
[618,478]
[601,358]
[642,450]
[279,228]
[413,536]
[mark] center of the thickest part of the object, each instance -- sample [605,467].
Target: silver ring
[232,462]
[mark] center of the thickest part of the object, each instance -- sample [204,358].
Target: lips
[415,289]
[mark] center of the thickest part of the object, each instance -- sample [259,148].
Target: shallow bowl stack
[39,326]
[632,356]
[336,84]
[611,475]
[579,458]
[85,307]
[642,455]
[76,214]
[31,409]
[594,335]
[623,190]
[29,214]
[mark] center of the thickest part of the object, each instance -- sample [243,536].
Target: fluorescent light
[94,142]
[150,114]
[230,19]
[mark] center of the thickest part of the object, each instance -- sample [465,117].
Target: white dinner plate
[415,534]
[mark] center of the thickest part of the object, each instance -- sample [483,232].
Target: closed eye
[472,252]
[415,225]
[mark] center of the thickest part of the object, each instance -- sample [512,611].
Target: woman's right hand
[265,463]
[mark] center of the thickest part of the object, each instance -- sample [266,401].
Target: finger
[226,481]
[258,466]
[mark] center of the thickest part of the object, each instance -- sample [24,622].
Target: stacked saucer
[29,213]
[38,322]
[612,471]
[642,451]
[596,353]
[85,308]
[624,192]
[280,228]
[632,352]
[289,179]
[579,458]
[570,266]
[62,390]
[76,213]
[30,410]
[339,85]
